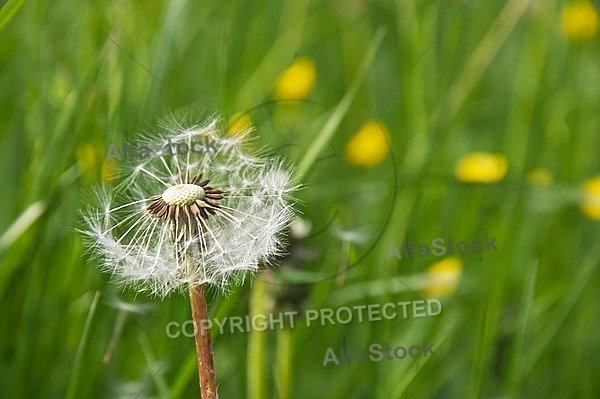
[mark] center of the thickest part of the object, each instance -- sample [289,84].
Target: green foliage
[78,76]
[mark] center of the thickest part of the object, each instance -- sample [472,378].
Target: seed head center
[183,194]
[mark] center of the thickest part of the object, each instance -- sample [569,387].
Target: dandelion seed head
[183,194]
[205,218]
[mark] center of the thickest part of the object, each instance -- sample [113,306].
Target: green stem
[340,111]
[257,342]
[284,362]
[81,347]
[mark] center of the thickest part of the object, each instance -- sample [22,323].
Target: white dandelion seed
[194,219]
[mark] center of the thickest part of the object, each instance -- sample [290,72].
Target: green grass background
[500,78]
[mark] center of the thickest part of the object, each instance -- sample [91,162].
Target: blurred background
[424,119]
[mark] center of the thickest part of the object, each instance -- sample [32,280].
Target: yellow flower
[109,170]
[540,177]
[239,124]
[89,160]
[443,277]
[297,81]
[579,20]
[591,205]
[87,157]
[481,167]
[368,147]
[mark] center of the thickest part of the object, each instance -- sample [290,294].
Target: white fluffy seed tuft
[160,256]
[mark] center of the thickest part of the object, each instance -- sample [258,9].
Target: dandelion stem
[206,363]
